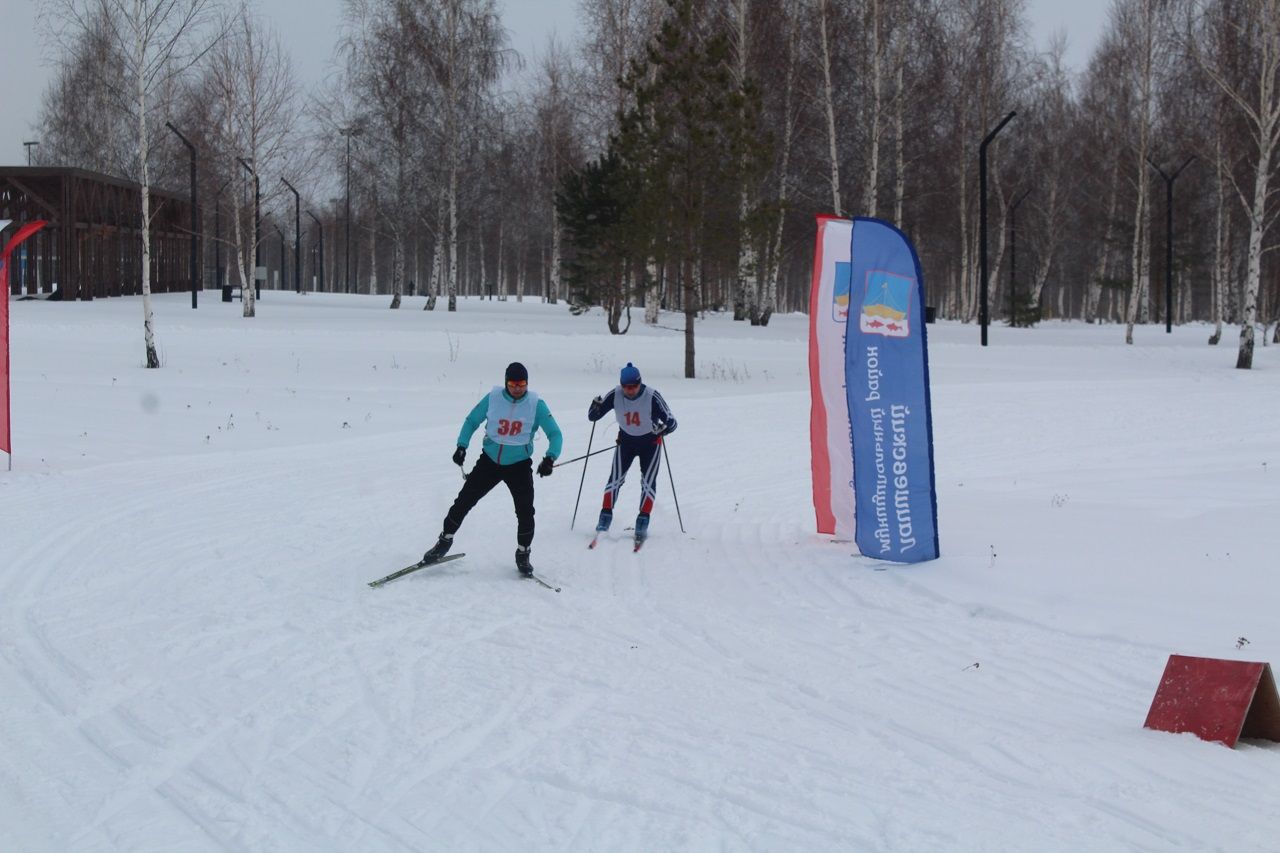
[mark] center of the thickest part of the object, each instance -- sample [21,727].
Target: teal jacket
[512,453]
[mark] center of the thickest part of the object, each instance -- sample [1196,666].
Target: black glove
[545,466]
[659,428]
[459,455]
[593,411]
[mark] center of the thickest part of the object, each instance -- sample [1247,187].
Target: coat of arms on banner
[840,291]
[886,306]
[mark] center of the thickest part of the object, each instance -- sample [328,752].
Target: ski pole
[673,486]
[583,456]
[590,439]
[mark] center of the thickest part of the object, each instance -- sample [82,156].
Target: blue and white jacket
[641,419]
[508,437]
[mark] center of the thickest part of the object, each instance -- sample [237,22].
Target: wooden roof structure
[92,245]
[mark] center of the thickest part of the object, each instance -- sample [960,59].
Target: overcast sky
[308,28]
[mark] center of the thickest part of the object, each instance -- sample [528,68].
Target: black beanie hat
[516,371]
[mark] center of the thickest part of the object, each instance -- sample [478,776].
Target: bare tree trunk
[872,187]
[746,285]
[1139,264]
[1222,241]
[521,266]
[899,145]
[503,287]
[690,317]
[397,267]
[1104,254]
[652,297]
[437,256]
[967,296]
[1050,245]
[148,317]
[829,103]
[555,252]
[453,234]
[769,303]
[1253,278]
[485,290]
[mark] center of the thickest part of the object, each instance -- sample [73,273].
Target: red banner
[6,443]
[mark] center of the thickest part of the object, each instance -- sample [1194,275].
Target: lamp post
[217,242]
[191,149]
[1168,239]
[983,308]
[257,227]
[1013,258]
[283,267]
[349,131]
[319,228]
[30,145]
[297,236]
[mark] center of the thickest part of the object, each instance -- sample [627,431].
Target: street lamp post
[283,266]
[30,145]
[319,228]
[983,307]
[257,227]
[218,276]
[349,131]
[1013,258]
[191,149]
[1168,239]
[297,236]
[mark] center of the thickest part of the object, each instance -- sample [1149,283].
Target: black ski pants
[483,477]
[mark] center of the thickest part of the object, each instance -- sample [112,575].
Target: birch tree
[465,50]
[154,42]
[1141,23]
[84,120]
[388,75]
[829,103]
[254,111]
[1252,87]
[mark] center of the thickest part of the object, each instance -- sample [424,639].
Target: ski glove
[659,428]
[545,466]
[459,455]
[594,413]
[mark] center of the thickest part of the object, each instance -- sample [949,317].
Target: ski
[595,540]
[639,544]
[541,581]
[408,569]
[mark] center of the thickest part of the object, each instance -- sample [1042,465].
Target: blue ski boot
[606,518]
[642,526]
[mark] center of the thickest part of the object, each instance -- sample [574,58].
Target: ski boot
[522,562]
[642,529]
[438,550]
[606,518]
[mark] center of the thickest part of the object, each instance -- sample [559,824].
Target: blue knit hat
[630,375]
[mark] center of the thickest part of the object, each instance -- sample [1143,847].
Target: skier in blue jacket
[511,415]
[643,419]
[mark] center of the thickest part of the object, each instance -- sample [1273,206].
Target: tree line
[676,155]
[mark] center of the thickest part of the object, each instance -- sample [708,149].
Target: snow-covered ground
[190,658]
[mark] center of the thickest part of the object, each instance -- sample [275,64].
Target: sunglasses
[517,383]
[630,386]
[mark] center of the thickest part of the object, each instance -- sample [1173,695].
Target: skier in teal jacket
[511,414]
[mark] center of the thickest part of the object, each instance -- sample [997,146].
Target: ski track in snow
[191,659]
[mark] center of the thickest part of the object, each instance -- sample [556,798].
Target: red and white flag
[6,443]
[831,453]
